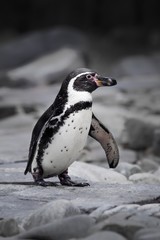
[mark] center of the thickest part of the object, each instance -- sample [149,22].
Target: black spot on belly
[55,125]
[51,161]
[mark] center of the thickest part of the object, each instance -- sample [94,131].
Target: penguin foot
[74,184]
[66,180]
[37,176]
[43,183]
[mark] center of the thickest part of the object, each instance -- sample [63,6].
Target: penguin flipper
[100,133]
[35,136]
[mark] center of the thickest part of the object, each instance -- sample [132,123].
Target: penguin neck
[68,97]
[75,96]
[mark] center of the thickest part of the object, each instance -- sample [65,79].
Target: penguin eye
[89,76]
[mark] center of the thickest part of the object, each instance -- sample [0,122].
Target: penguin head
[87,80]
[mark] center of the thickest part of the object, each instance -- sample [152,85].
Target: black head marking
[85,82]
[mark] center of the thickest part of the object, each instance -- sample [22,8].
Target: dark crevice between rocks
[28,109]
[7,111]
[148,201]
[87,211]
[21,83]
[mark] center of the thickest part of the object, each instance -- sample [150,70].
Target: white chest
[67,143]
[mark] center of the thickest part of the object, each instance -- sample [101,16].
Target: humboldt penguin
[61,132]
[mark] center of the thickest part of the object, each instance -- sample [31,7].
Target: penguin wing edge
[35,136]
[100,133]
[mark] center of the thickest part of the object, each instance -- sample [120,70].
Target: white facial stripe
[75,96]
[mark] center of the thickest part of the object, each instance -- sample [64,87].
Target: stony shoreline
[119,204]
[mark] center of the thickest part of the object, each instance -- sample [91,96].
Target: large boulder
[137,134]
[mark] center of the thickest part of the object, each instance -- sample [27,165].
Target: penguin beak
[104,81]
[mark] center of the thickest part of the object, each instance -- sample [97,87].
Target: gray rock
[127,155]
[50,212]
[98,213]
[6,81]
[121,224]
[137,135]
[71,227]
[136,65]
[147,164]
[9,227]
[149,209]
[128,169]
[156,142]
[7,111]
[49,68]
[147,234]
[145,220]
[146,178]
[95,173]
[139,83]
[37,44]
[105,235]
[125,211]
[128,222]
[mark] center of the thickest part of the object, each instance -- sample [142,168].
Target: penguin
[61,132]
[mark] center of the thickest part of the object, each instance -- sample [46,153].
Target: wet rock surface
[120,204]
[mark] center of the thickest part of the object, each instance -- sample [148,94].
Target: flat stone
[128,169]
[119,223]
[147,234]
[145,220]
[49,68]
[71,227]
[127,155]
[142,136]
[50,212]
[147,178]
[20,197]
[36,44]
[8,227]
[149,209]
[137,65]
[103,235]
[107,211]
[127,222]
[96,174]
[147,164]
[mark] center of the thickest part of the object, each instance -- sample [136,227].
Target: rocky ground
[119,204]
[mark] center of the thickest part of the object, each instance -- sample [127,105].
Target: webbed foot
[66,180]
[43,183]
[38,178]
